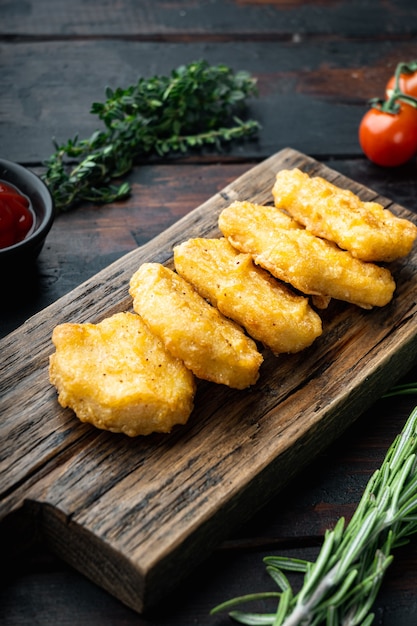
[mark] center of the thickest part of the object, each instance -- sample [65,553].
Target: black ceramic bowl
[24,253]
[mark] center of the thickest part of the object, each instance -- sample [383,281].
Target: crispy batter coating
[366,229]
[118,376]
[212,347]
[311,264]
[269,311]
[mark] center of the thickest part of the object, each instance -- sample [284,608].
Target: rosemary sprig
[197,105]
[405,389]
[340,587]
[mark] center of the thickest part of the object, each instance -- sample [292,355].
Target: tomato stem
[406,68]
[396,95]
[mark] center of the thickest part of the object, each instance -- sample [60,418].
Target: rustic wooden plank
[209,18]
[86,240]
[332,485]
[41,584]
[57,595]
[129,513]
[46,95]
[49,589]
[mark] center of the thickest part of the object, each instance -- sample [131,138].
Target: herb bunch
[340,587]
[197,105]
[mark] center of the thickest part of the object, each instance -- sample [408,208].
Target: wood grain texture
[326,87]
[292,523]
[210,19]
[132,514]
[84,241]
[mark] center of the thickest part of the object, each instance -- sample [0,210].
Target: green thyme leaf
[198,105]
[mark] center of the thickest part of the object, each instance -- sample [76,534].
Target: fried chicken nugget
[212,347]
[366,229]
[269,311]
[118,376]
[296,256]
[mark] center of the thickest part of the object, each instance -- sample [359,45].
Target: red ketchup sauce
[16,215]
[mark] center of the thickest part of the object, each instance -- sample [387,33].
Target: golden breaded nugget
[211,346]
[366,229]
[118,376]
[249,295]
[293,254]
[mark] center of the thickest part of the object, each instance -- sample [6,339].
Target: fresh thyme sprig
[197,105]
[340,587]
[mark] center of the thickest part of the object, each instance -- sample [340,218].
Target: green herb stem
[197,106]
[340,587]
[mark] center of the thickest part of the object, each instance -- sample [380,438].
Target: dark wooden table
[317,63]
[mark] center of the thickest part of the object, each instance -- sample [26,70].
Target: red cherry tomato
[407,84]
[389,139]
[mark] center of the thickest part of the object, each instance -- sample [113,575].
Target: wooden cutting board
[136,515]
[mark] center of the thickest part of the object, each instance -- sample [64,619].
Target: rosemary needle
[340,587]
[197,105]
